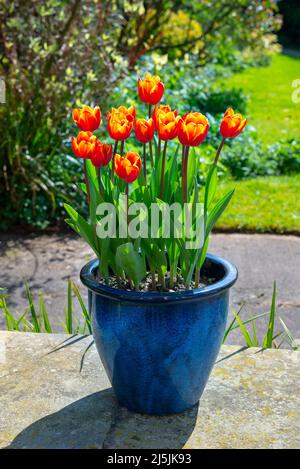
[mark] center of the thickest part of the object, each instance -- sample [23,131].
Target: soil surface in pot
[147,285]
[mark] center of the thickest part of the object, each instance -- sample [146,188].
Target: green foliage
[128,260]
[37,320]
[248,158]
[270,338]
[215,100]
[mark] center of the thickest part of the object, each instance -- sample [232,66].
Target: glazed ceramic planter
[158,349]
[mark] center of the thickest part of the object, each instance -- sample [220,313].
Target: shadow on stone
[96,421]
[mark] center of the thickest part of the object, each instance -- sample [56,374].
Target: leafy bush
[250,159]
[216,101]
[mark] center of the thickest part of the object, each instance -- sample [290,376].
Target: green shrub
[249,158]
[218,100]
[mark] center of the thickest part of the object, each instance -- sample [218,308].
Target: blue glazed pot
[158,349]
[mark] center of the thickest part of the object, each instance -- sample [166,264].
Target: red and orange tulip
[151,89]
[232,124]
[128,167]
[120,122]
[87,118]
[144,130]
[167,125]
[162,108]
[102,155]
[192,129]
[84,145]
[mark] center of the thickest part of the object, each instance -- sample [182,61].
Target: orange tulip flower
[167,125]
[120,122]
[151,89]
[84,145]
[128,167]
[164,108]
[232,124]
[192,129]
[144,130]
[87,118]
[102,155]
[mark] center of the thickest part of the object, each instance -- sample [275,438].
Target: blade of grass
[43,314]
[291,340]
[243,329]
[83,308]
[268,340]
[252,318]
[21,318]
[229,329]
[34,317]
[254,335]
[10,320]
[69,312]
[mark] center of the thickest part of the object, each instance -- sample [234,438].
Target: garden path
[47,261]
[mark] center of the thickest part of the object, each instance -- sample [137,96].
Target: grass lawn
[269,204]
[269,89]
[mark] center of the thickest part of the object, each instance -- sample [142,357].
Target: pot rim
[231,274]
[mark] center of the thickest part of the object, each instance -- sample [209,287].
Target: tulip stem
[197,278]
[151,154]
[86,181]
[182,169]
[122,147]
[113,160]
[150,143]
[153,279]
[185,174]
[219,151]
[99,181]
[127,208]
[144,164]
[162,179]
[159,148]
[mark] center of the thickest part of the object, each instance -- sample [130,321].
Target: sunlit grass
[269,89]
[264,204]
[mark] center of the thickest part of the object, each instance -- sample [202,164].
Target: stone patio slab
[50,398]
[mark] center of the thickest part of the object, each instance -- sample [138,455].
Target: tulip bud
[87,118]
[192,129]
[120,122]
[167,125]
[144,130]
[102,155]
[151,89]
[84,145]
[128,167]
[232,124]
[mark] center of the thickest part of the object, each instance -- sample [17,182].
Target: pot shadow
[90,422]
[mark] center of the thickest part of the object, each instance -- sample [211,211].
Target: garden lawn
[265,204]
[269,89]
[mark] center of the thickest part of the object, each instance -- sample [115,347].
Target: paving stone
[252,400]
